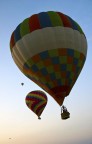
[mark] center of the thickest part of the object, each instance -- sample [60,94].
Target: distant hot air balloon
[50,48]
[22,84]
[36,101]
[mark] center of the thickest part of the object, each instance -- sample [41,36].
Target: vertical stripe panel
[24,27]
[55,19]
[12,42]
[44,20]
[17,35]
[74,26]
[65,20]
[34,23]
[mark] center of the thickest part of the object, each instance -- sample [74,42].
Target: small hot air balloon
[36,101]
[50,48]
[22,84]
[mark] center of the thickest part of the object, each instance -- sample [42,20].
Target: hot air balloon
[50,48]
[36,101]
[22,84]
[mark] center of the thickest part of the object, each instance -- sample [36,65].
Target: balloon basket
[65,115]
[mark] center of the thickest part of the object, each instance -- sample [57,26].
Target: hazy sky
[16,120]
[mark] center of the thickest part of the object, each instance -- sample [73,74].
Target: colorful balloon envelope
[36,101]
[50,48]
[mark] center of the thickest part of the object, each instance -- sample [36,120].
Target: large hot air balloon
[36,101]
[50,48]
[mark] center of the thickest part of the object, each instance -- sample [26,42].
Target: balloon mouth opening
[61,90]
[59,93]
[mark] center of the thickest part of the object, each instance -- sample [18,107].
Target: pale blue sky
[16,120]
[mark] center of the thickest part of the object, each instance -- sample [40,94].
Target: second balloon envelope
[36,101]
